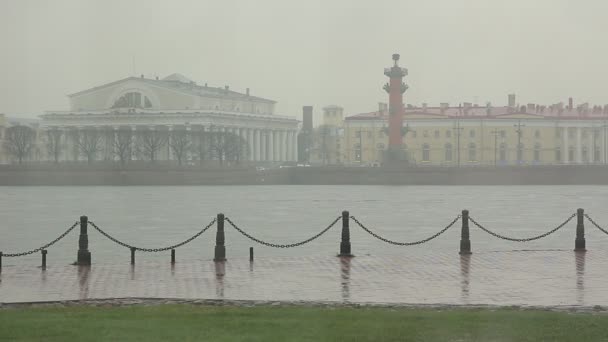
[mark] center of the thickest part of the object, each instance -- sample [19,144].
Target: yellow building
[476,135]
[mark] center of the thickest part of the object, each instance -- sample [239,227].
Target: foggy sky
[308,52]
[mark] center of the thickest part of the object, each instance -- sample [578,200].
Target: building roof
[182,84]
[502,112]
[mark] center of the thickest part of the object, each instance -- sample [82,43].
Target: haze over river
[157,216]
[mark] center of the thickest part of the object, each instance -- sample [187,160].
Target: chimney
[531,108]
[307,119]
[467,107]
[570,103]
[142,75]
[424,107]
[157,78]
[512,100]
[247,92]
[226,88]
[205,84]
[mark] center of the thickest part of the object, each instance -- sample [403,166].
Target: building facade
[470,135]
[134,110]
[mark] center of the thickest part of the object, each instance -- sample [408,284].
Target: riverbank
[189,322]
[56,175]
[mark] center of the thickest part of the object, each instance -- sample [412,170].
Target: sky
[309,52]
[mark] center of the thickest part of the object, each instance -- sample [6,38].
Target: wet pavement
[547,278]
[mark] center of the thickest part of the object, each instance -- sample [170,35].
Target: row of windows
[503,133]
[502,153]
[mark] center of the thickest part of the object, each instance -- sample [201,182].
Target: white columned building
[171,106]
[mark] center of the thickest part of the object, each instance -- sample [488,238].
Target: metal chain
[153,249]
[524,239]
[275,245]
[596,225]
[8,255]
[405,243]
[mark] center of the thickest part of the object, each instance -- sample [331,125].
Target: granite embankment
[165,175]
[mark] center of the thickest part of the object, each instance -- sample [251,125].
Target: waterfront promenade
[538,278]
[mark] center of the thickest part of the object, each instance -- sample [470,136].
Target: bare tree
[150,142]
[226,146]
[180,143]
[203,146]
[89,143]
[121,145]
[53,143]
[19,141]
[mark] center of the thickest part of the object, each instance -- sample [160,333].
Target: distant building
[469,134]
[137,106]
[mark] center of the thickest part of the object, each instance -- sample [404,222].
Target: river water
[156,216]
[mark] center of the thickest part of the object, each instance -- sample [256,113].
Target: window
[537,134]
[414,134]
[448,152]
[472,152]
[436,134]
[448,134]
[558,155]
[503,134]
[472,133]
[425,133]
[132,100]
[570,154]
[537,153]
[585,154]
[503,152]
[585,134]
[369,134]
[426,153]
[357,134]
[596,155]
[570,133]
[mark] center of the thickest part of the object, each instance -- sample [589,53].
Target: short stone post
[173,256]
[250,253]
[345,243]
[465,243]
[132,255]
[579,243]
[220,249]
[44,251]
[84,256]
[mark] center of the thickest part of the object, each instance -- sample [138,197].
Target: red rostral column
[395,88]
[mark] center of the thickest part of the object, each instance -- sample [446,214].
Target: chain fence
[275,245]
[405,243]
[152,249]
[9,255]
[524,239]
[596,225]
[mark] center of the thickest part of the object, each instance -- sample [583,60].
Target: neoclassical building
[139,106]
[480,135]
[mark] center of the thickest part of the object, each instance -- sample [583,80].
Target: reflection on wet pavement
[499,278]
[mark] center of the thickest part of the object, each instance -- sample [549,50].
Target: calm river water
[158,216]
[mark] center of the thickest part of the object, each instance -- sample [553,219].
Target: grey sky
[308,52]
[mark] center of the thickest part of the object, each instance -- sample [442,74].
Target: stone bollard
[220,249]
[465,243]
[44,251]
[84,256]
[132,255]
[345,243]
[579,243]
[173,256]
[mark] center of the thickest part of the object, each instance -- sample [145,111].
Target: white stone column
[283,146]
[579,146]
[169,142]
[264,145]
[271,145]
[566,149]
[277,147]
[288,145]
[133,149]
[296,148]
[257,134]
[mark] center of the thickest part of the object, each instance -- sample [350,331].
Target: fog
[307,52]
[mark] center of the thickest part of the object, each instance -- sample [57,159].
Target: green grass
[204,323]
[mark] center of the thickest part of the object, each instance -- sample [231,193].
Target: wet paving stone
[543,278]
